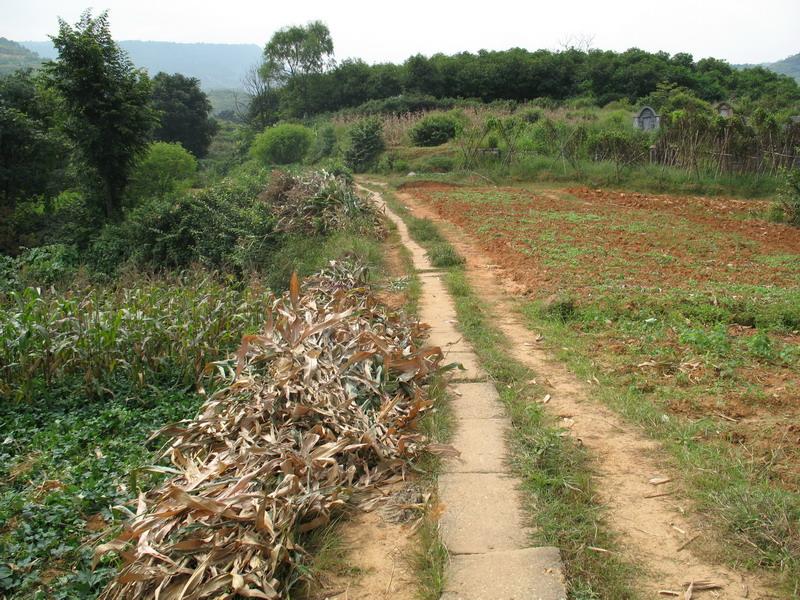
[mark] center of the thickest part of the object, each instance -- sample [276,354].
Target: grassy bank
[441,164]
[743,481]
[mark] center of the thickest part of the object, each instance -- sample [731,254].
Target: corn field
[163,327]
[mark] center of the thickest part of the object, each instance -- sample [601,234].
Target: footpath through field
[482,523]
[655,524]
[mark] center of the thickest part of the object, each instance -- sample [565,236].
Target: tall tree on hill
[293,55]
[109,115]
[185,113]
[33,151]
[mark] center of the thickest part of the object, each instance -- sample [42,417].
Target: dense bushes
[220,227]
[596,76]
[434,130]
[233,226]
[162,170]
[620,146]
[366,144]
[282,144]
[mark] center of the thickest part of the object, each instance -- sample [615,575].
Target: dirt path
[655,524]
[482,524]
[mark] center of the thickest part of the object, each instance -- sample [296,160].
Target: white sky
[752,31]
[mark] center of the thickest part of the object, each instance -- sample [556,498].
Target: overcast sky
[753,31]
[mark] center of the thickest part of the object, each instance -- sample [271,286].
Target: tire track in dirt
[656,527]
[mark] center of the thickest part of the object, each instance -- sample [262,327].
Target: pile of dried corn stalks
[319,202]
[320,407]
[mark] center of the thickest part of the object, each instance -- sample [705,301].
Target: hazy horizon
[752,34]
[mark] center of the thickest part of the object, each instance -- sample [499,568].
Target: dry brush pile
[317,410]
[319,202]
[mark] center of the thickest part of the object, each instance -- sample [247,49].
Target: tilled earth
[693,300]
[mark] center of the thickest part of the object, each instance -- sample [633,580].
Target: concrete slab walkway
[482,524]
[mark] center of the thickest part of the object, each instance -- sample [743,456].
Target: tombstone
[724,110]
[646,119]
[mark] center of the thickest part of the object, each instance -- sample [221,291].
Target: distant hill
[788,66]
[14,56]
[217,66]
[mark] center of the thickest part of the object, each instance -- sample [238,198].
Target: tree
[185,113]
[299,50]
[109,116]
[264,98]
[33,151]
[295,53]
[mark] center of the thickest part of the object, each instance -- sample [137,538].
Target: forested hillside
[13,56]
[217,66]
[788,66]
[520,75]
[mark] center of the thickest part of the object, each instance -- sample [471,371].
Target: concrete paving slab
[445,334]
[528,574]
[478,400]
[481,443]
[481,513]
[472,368]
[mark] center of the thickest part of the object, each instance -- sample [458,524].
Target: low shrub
[282,144]
[437,164]
[47,265]
[365,146]
[162,170]
[324,144]
[423,230]
[221,227]
[391,163]
[559,307]
[434,130]
[531,115]
[443,255]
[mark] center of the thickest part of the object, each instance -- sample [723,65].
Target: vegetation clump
[789,198]
[434,130]
[162,170]
[282,144]
[366,144]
